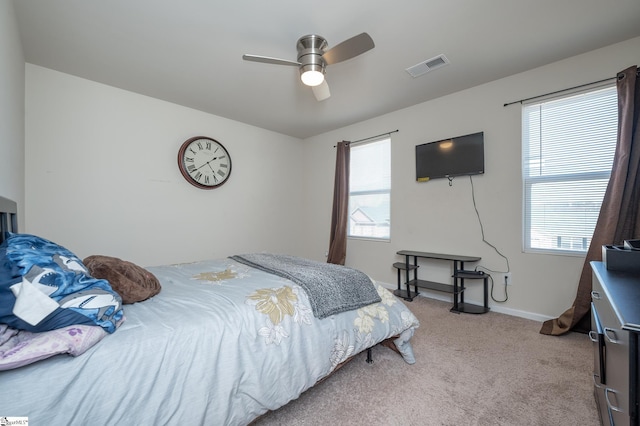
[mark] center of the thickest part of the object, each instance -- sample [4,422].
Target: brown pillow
[132,282]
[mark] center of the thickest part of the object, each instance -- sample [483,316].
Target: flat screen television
[452,157]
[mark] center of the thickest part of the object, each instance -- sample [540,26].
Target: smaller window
[370,190]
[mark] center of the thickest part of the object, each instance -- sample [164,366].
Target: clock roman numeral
[191,168]
[221,173]
[209,146]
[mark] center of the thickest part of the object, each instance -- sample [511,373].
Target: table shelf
[456,289]
[432,285]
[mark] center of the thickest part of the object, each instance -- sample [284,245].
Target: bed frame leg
[369,359]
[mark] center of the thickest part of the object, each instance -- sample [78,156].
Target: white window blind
[568,149]
[370,190]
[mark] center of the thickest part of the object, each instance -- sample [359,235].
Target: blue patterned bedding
[222,343]
[44,286]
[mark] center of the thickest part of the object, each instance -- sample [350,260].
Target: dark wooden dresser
[615,327]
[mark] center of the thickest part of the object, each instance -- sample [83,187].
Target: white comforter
[221,344]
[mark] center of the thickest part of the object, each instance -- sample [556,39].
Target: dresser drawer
[599,371]
[616,357]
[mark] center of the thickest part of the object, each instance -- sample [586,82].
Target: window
[567,154]
[370,190]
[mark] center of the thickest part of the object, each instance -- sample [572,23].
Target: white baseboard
[494,307]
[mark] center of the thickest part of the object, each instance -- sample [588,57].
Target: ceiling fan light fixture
[312,75]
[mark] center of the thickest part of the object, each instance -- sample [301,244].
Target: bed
[221,341]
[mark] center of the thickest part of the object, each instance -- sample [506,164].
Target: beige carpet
[489,369]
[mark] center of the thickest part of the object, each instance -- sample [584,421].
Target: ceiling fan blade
[348,49]
[321,91]
[268,60]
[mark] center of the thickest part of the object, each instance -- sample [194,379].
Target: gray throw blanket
[331,288]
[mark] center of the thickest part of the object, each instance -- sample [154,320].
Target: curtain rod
[372,137]
[559,91]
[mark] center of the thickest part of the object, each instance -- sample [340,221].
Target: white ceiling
[190,51]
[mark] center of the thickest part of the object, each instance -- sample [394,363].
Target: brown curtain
[619,215]
[340,212]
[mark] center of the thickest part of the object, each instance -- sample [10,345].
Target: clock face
[204,162]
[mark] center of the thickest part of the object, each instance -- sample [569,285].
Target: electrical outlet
[507,279]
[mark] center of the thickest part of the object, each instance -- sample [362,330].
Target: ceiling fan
[313,59]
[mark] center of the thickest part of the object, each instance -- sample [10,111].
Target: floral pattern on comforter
[279,303]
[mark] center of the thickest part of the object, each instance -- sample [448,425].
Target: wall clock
[204,162]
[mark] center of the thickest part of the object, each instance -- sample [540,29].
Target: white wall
[435,217]
[11,109]
[102,177]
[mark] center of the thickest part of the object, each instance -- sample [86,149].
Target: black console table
[459,276]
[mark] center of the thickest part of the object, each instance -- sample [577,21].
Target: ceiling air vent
[428,65]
